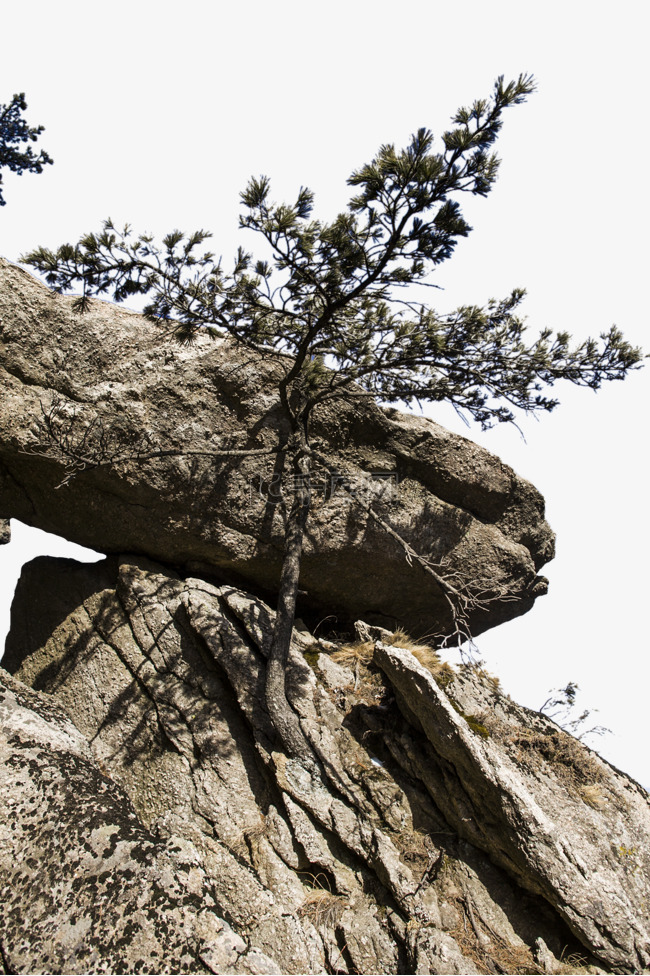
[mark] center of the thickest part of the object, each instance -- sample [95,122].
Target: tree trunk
[283,717]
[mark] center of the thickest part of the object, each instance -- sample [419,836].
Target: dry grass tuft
[359,654]
[399,638]
[571,758]
[249,836]
[489,951]
[425,654]
[349,655]
[575,965]
[427,657]
[592,794]
[491,679]
[323,908]
[571,761]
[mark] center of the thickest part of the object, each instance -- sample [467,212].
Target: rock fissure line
[257,730]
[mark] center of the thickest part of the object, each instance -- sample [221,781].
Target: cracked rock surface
[110,383]
[85,887]
[441,829]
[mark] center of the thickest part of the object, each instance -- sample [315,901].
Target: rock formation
[148,822]
[443,828]
[85,888]
[107,383]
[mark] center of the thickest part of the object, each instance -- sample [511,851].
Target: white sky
[158,113]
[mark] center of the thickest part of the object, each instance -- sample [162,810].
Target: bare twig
[463,597]
[83,446]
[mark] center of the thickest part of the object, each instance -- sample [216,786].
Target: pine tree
[331,307]
[14,131]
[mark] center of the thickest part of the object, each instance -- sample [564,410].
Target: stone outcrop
[148,821]
[441,828]
[110,382]
[85,888]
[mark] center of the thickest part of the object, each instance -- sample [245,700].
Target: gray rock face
[577,833]
[84,887]
[110,381]
[443,829]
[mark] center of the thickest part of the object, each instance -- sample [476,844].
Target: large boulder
[440,827]
[110,383]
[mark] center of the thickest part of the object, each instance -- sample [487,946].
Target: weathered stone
[544,957]
[5,531]
[83,886]
[119,381]
[587,853]
[436,831]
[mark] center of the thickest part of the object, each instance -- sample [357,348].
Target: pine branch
[14,131]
